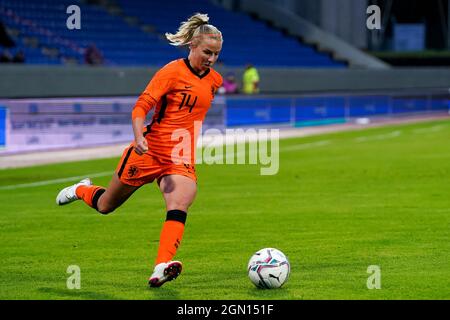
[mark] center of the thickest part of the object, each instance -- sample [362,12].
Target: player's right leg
[163,272]
[101,199]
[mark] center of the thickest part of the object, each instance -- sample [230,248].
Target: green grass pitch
[377,196]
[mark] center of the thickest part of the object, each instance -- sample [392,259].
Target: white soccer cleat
[165,271]
[68,194]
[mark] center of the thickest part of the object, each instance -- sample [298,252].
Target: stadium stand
[38,27]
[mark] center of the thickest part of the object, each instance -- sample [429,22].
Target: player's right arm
[160,84]
[143,106]
[140,143]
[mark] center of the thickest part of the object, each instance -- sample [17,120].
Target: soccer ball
[268,268]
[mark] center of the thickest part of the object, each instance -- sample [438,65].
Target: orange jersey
[182,99]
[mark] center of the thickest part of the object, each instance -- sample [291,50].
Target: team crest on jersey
[190,168]
[132,171]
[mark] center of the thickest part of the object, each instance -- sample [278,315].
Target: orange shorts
[136,170]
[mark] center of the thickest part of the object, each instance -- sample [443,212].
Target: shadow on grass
[80,294]
[272,294]
[163,293]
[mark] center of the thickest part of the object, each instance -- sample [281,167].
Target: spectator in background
[230,85]
[7,42]
[93,56]
[250,80]
[5,56]
[5,39]
[19,57]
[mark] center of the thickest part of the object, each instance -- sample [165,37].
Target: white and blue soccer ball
[268,268]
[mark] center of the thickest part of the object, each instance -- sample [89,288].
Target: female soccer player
[181,93]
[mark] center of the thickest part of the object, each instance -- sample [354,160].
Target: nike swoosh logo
[188,87]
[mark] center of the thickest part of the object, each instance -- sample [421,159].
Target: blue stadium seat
[124,44]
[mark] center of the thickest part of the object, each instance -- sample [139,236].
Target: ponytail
[192,29]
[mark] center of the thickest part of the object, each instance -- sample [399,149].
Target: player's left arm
[218,82]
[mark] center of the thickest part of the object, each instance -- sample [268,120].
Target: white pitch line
[304,146]
[390,135]
[296,147]
[431,129]
[54,181]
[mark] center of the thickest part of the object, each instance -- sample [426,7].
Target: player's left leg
[114,196]
[179,192]
[131,173]
[104,200]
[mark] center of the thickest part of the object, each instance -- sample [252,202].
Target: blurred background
[71,71]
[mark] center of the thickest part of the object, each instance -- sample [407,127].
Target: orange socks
[171,235]
[90,194]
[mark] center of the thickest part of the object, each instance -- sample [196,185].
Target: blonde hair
[191,30]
